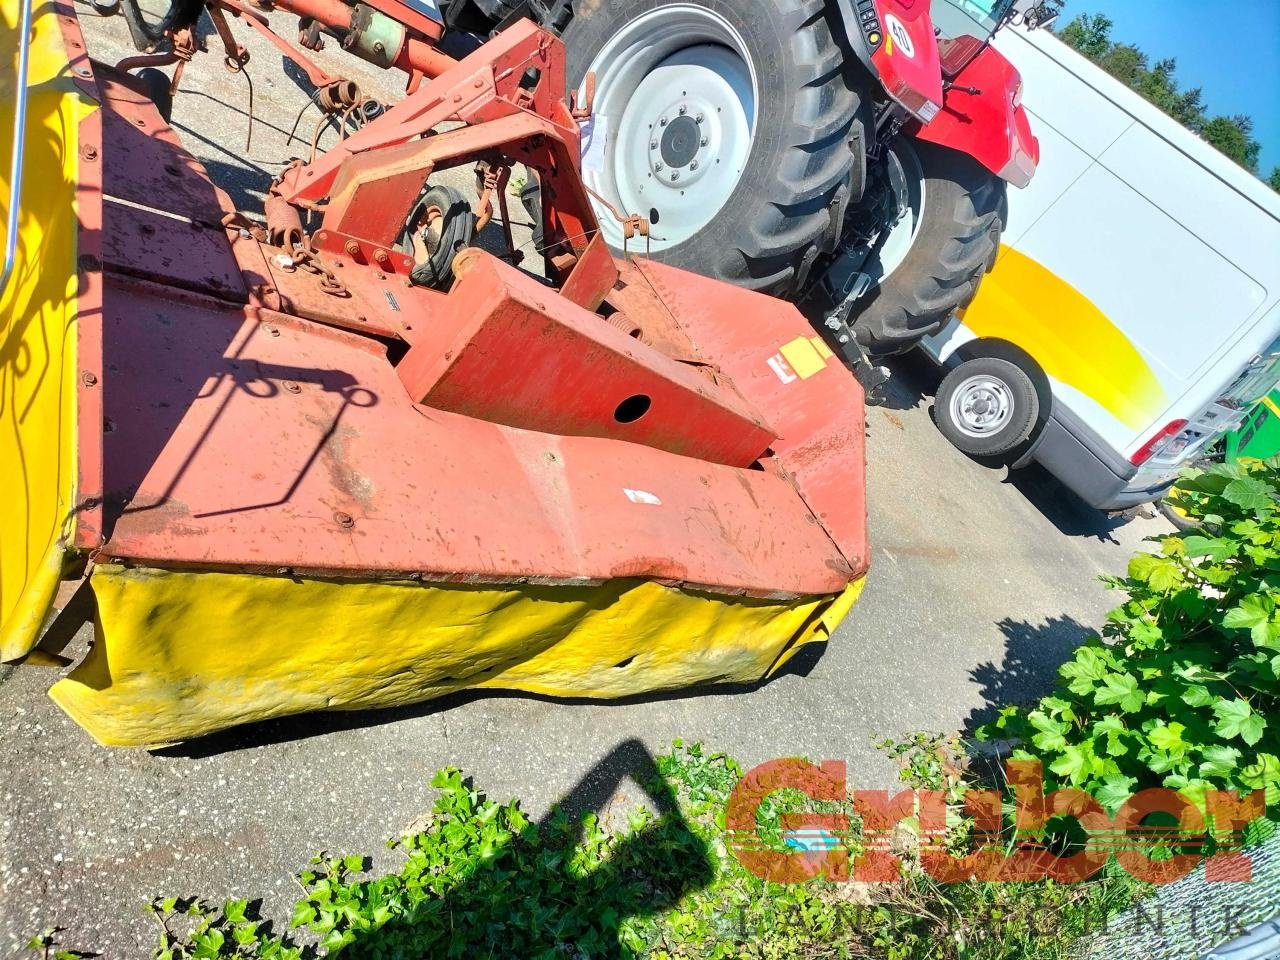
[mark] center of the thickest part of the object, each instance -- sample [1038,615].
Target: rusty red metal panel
[146,163]
[88,330]
[592,277]
[503,347]
[184,253]
[819,418]
[248,438]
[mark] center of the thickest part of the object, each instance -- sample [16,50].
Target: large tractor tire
[931,261]
[727,123]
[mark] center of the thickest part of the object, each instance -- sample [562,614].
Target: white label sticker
[642,496]
[901,39]
[783,369]
[595,134]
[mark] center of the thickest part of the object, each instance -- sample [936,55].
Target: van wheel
[986,407]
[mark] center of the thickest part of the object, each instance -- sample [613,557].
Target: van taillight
[1158,440]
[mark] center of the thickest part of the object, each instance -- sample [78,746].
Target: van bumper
[1086,465]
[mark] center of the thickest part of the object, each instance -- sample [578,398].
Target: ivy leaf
[1253,613]
[1213,480]
[1215,548]
[1248,493]
[1073,765]
[1219,761]
[1161,574]
[1167,737]
[1237,719]
[1115,790]
[1263,775]
[1088,666]
[1120,689]
[1050,738]
[1198,695]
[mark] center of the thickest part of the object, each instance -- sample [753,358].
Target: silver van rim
[676,102]
[981,406]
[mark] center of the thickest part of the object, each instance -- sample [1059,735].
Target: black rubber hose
[181,13]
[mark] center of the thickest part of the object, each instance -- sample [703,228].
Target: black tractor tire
[1024,407]
[786,199]
[965,209]
[156,82]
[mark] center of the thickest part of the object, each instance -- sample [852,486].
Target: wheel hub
[677,97]
[680,139]
[981,406]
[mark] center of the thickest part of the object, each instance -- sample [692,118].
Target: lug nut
[693,164]
[662,122]
[698,118]
[657,165]
[703,142]
[675,174]
[683,110]
[653,144]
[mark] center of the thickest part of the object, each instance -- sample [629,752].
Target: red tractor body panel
[907,58]
[899,44]
[991,125]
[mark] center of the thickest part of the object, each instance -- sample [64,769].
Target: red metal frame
[308,409]
[990,125]
[88,329]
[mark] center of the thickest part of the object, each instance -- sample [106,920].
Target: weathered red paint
[501,348]
[249,430]
[989,125]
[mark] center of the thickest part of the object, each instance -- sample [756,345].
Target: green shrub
[1181,691]
[482,881]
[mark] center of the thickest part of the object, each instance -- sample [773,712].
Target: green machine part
[1258,435]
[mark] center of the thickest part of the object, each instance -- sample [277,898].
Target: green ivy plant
[481,880]
[1182,688]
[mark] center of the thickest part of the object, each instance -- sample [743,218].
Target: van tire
[986,407]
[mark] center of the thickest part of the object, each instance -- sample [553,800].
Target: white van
[1133,312]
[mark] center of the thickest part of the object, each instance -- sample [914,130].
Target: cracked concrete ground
[980,585]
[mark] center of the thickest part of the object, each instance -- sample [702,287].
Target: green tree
[1234,137]
[1090,33]
[1274,180]
[1126,63]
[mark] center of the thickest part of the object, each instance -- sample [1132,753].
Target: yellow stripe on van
[1073,341]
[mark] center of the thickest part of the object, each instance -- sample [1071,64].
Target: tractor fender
[990,125]
[894,40]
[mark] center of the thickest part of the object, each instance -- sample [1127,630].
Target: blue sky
[1230,50]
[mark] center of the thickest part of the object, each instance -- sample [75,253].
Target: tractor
[851,155]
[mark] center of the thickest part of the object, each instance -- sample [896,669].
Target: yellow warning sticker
[805,356]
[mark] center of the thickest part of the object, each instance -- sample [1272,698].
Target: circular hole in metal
[653,214]
[632,409]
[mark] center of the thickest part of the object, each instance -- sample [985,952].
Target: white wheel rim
[676,93]
[981,406]
[897,241]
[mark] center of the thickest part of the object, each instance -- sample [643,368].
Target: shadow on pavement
[1029,668]
[913,379]
[914,382]
[552,888]
[1071,515]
